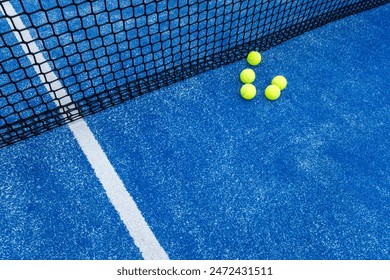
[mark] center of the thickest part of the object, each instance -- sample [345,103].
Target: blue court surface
[219,177]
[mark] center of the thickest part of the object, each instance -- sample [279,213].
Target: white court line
[123,202]
[117,193]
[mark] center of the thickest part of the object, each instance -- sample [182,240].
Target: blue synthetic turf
[303,177]
[53,207]
[218,177]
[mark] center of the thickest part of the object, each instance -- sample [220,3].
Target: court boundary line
[117,193]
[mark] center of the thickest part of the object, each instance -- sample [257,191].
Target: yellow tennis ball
[254,58]
[248,91]
[247,76]
[279,81]
[272,92]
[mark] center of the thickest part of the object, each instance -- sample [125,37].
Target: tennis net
[61,60]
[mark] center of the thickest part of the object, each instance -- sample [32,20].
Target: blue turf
[53,207]
[218,177]
[303,177]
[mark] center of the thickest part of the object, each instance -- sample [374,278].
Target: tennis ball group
[248,76]
[278,83]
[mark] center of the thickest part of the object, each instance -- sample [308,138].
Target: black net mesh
[64,59]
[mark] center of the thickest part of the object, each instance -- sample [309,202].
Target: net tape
[81,57]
